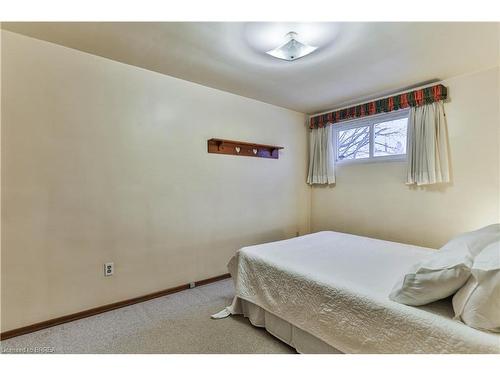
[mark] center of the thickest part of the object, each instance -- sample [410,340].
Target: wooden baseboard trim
[101,309]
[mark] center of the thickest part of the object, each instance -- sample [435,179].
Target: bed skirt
[300,340]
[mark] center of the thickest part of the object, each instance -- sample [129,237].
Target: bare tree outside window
[354,143]
[389,139]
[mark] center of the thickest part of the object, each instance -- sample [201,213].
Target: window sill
[380,159]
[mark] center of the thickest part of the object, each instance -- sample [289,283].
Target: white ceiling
[355,61]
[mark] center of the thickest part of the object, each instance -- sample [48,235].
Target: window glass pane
[390,137]
[353,143]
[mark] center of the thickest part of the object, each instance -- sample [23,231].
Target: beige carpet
[178,323]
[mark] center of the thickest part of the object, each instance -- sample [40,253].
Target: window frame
[370,121]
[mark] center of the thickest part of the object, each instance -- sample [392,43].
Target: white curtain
[321,156]
[428,145]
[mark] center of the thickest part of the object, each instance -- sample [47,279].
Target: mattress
[335,286]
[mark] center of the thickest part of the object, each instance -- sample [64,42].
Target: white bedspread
[335,286]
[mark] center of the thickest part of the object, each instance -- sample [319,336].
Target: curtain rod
[379,98]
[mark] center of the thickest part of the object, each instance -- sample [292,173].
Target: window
[380,137]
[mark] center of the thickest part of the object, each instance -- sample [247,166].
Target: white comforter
[335,287]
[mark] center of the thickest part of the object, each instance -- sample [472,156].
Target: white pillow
[474,241]
[477,303]
[442,274]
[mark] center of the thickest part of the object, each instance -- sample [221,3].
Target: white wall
[372,199]
[102,161]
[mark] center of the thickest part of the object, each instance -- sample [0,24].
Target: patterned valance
[409,99]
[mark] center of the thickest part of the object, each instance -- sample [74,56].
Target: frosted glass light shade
[291,50]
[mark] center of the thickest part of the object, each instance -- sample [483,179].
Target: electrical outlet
[109,269]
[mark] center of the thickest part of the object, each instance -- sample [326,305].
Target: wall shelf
[229,147]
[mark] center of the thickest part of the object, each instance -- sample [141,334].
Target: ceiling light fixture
[291,50]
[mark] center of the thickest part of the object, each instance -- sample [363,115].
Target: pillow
[442,274]
[477,303]
[474,241]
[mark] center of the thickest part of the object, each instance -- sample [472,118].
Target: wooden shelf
[229,147]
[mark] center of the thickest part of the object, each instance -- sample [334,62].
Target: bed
[327,292]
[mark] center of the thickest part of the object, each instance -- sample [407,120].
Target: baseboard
[101,309]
